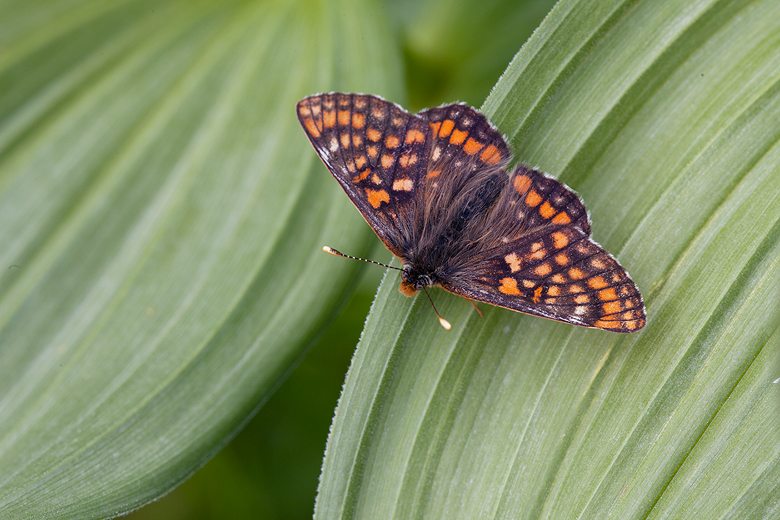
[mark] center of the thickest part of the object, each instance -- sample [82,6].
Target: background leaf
[665,116]
[160,231]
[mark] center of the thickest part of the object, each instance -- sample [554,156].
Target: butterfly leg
[476,308]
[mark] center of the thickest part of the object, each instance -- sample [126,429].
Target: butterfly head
[414,281]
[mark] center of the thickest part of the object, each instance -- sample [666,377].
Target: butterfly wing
[463,141]
[466,151]
[544,261]
[377,152]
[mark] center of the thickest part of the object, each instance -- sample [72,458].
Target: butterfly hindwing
[546,264]
[545,200]
[376,151]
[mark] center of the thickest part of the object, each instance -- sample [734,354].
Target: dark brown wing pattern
[376,151]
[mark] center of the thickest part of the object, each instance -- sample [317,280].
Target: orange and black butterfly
[434,189]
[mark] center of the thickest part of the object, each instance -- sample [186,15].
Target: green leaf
[457,49]
[665,117]
[160,268]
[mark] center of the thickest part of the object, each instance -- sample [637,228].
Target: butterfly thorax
[450,232]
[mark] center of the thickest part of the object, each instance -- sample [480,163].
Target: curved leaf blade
[665,117]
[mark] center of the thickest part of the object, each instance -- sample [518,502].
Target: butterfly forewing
[463,143]
[376,151]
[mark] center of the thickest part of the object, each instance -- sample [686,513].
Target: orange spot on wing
[560,240]
[603,324]
[513,261]
[387,161]
[607,294]
[433,173]
[490,155]
[357,141]
[558,278]
[358,120]
[472,147]
[392,141]
[554,291]
[612,307]
[312,128]
[538,255]
[372,151]
[597,282]
[329,118]
[522,183]
[407,160]
[537,295]
[561,259]
[360,161]
[561,218]
[435,127]
[377,197]
[533,199]
[343,117]
[446,127]
[458,136]
[543,269]
[546,211]
[414,136]
[362,175]
[509,286]
[374,134]
[582,298]
[576,274]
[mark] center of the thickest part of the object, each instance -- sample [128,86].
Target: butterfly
[435,189]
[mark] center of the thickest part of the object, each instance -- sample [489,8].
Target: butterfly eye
[423,282]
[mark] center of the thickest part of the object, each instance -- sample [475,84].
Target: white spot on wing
[334,144]
[403,184]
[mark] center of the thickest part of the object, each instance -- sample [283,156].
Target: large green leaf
[160,271]
[665,116]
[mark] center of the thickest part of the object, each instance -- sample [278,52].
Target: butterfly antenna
[333,252]
[444,323]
